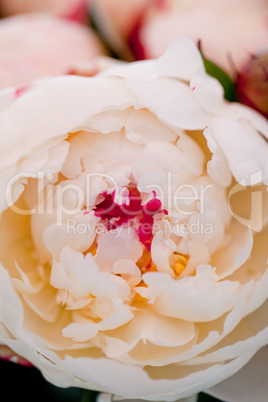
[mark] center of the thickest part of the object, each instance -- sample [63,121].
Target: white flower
[129,260]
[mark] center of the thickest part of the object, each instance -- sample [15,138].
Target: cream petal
[7,96]
[139,124]
[152,386]
[25,285]
[249,205]
[44,304]
[58,277]
[146,70]
[248,384]
[255,268]
[56,157]
[39,223]
[245,150]
[235,250]
[89,145]
[76,233]
[115,245]
[51,372]
[47,158]
[40,297]
[121,175]
[200,298]
[208,92]
[127,154]
[147,326]
[192,151]
[144,125]
[14,317]
[249,336]
[208,334]
[257,121]
[176,107]
[5,176]
[181,60]
[154,158]
[81,276]
[128,271]
[218,169]
[49,121]
[86,330]
[161,250]
[207,229]
[103,372]
[153,180]
[108,121]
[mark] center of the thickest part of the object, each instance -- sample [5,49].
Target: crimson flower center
[130,211]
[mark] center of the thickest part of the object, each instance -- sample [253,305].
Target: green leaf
[214,71]
[223,78]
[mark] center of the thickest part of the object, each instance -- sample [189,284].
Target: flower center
[128,209]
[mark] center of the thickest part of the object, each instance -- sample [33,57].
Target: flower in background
[229,30]
[34,45]
[133,253]
[71,9]
[252,83]
[119,21]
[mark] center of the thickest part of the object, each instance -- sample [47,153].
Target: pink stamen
[116,215]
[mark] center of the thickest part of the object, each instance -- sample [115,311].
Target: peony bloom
[71,9]
[229,30]
[35,45]
[133,255]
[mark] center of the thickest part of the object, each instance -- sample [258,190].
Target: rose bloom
[133,252]
[71,9]
[229,30]
[35,45]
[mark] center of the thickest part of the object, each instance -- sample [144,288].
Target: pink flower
[35,45]
[229,30]
[71,9]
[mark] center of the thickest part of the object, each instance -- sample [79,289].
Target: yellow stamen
[138,297]
[145,263]
[93,248]
[178,263]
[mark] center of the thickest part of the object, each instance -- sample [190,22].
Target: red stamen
[116,215]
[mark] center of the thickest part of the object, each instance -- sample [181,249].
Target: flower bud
[252,83]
